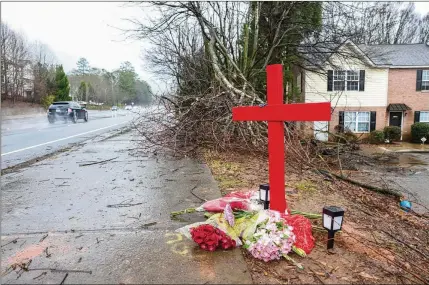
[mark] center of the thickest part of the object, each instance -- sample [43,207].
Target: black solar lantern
[264,195]
[332,221]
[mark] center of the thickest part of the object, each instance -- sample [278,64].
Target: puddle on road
[406,160]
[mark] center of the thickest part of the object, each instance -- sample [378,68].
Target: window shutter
[330,77]
[416,116]
[419,80]
[362,80]
[372,121]
[341,123]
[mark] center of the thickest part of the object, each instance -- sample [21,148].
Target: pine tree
[62,85]
[82,91]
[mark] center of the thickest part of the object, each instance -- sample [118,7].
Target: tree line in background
[112,87]
[215,54]
[30,72]
[376,22]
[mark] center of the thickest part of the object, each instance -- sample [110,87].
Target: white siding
[375,94]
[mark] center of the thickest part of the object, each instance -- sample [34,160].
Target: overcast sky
[83,29]
[78,29]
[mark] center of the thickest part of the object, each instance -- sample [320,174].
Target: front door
[395,119]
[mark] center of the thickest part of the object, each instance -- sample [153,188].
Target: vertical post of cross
[276,145]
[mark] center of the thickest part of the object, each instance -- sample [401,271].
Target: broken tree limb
[13,241]
[145,226]
[363,185]
[406,244]
[42,274]
[61,270]
[195,195]
[98,162]
[64,279]
[122,205]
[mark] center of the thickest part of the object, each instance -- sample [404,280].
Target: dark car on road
[67,110]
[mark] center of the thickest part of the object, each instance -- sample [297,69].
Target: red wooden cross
[275,112]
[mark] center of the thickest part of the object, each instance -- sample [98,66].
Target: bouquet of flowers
[216,231]
[272,239]
[210,238]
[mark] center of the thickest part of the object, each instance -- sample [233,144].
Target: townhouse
[17,80]
[370,87]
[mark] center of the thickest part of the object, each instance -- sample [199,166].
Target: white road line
[66,138]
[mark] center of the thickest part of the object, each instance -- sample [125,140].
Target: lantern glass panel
[337,223]
[263,194]
[327,221]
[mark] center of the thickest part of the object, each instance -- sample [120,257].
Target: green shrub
[46,101]
[419,130]
[392,133]
[376,137]
[346,137]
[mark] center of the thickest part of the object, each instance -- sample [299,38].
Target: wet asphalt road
[27,138]
[109,223]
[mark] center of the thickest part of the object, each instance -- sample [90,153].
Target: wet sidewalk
[82,221]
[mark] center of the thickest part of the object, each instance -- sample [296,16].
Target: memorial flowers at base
[267,235]
[272,239]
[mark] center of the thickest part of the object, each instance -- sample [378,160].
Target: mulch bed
[379,242]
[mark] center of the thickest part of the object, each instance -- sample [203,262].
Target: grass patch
[227,173]
[305,185]
[229,182]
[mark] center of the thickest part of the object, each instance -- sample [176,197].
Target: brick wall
[402,89]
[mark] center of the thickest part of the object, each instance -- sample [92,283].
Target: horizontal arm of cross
[284,112]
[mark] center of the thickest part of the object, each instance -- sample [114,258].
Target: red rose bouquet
[210,238]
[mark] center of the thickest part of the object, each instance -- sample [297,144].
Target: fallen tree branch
[61,270]
[145,226]
[13,241]
[195,195]
[98,162]
[64,279]
[406,244]
[122,205]
[42,274]
[366,186]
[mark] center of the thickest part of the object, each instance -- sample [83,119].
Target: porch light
[264,195]
[332,221]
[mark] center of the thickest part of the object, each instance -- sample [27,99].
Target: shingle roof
[389,55]
[398,55]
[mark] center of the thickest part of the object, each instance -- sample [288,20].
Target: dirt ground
[379,243]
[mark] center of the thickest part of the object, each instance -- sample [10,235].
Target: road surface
[109,222]
[28,138]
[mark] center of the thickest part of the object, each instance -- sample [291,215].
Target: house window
[425,80]
[357,122]
[346,80]
[424,117]
[338,79]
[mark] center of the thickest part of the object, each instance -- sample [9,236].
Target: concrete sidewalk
[109,222]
